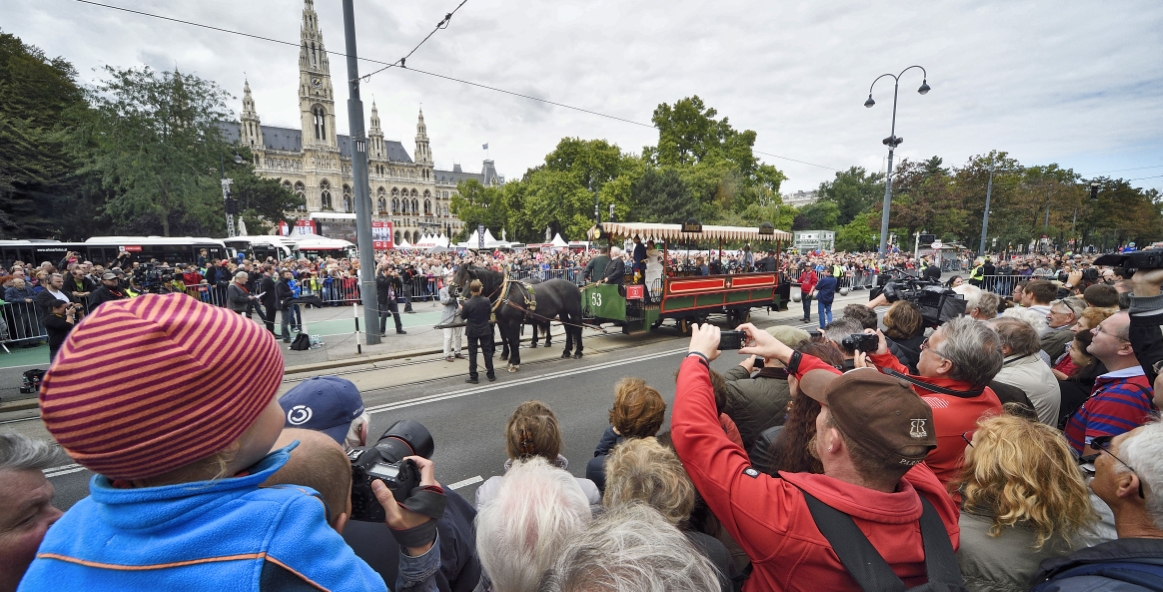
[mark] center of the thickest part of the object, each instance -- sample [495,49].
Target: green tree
[854,191]
[861,234]
[822,215]
[661,196]
[262,202]
[158,147]
[477,204]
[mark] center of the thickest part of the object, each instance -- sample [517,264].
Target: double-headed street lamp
[892,142]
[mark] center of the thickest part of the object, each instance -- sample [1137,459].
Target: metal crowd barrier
[20,323]
[1002,284]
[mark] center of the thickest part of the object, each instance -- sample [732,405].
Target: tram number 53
[595,299]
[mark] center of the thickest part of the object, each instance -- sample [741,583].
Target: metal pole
[226,183]
[888,176]
[363,202]
[985,218]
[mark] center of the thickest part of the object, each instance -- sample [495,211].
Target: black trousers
[807,300]
[389,308]
[487,346]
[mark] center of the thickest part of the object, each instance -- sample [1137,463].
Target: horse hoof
[514,368]
[533,345]
[504,357]
[577,356]
[565,355]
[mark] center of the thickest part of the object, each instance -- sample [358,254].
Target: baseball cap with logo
[881,413]
[325,404]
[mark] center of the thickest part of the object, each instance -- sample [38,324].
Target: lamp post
[892,141]
[985,218]
[228,204]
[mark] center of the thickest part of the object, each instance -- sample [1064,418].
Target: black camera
[1090,274]
[385,462]
[153,279]
[936,302]
[731,340]
[1129,262]
[865,342]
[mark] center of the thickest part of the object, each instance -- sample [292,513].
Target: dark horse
[552,298]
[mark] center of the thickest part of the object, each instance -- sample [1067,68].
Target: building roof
[291,140]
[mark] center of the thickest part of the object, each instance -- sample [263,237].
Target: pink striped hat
[149,384]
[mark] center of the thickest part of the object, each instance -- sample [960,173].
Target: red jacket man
[769,517]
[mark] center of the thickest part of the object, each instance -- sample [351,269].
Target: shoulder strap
[934,388]
[865,563]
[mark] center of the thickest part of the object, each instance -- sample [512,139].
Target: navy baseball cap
[325,404]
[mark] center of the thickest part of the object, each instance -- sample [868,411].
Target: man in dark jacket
[615,272]
[477,312]
[238,295]
[269,300]
[110,289]
[639,257]
[283,294]
[78,285]
[758,401]
[389,287]
[1126,478]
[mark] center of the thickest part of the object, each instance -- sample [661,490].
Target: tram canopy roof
[648,230]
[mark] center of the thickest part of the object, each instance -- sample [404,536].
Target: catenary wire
[402,62]
[427,73]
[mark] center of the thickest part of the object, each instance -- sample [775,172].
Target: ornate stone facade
[315,162]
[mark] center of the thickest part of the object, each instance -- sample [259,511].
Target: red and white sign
[131,248]
[382,235]
[634,292]
[284,230]
[305,227]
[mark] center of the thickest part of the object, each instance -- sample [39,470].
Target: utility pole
[227,204]
[985,218]
[363,202]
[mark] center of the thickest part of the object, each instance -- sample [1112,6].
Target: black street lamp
[892,141]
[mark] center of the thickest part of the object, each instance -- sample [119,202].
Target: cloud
[1072,83]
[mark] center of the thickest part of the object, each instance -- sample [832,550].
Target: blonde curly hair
[641,469]
[1022,472]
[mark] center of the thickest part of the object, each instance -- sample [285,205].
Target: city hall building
[315,162]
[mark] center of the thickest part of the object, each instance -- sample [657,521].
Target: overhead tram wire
[400,63]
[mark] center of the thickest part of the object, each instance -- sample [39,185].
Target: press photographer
[152,278]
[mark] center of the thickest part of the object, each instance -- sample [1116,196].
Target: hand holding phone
[731,340]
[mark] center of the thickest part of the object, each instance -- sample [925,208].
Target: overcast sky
[1076,83]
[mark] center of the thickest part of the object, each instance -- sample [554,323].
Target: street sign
[936,245]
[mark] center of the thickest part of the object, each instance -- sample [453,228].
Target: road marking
[512,383]
[65,470]
[466,482]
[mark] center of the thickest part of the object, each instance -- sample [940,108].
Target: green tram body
[686,299]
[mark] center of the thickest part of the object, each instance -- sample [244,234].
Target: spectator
[786,447]
[874,434]
[1023,368]
[1018,294]
[758,401]
[904,329]
[268,297]
[139,511]
[865,315]
[1064,314]
[532,431]
[1025,501]
[22,315]
[1127,477]
[1077,384]
[450,306]
[389,288]
[807,282]
[320,463]
[985,307]
[963,356]
[19,292]
[284,295]
[644,471]
[78,285]
[477,315]
[26,510]
[522,528]
[631,548]
[58,323]
[824,292]
[1037,321]
[638,412]
[110,289]
[1146,308]
[53,290]
[1090,318]
[238,295]
[334,407]
[1038,294]
[1102,296]
[837,330]
[1121,399]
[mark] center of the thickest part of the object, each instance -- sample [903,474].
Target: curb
[20,405]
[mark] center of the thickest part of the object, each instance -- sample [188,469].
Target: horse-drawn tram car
[671,287]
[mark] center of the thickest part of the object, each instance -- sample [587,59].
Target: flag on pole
[485,146]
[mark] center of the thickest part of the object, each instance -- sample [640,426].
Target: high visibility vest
[978,273]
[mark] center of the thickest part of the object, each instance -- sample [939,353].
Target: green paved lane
[345,326]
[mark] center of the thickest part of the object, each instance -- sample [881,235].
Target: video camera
[1127,263]
[385,462]
[936,302]
[153,279]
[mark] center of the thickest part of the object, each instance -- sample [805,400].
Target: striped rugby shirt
[1120,402]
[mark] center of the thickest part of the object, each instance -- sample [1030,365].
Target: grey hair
[522,529]
[841,328]
[974,348]
[1143,450]
[241,274]
[21,453]
[631,548]
[1018,334]
[1036,320]
[1075,305]
[987,303]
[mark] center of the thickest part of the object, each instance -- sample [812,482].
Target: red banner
[634,292]
[382,235]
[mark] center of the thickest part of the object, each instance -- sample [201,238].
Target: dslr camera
[936,302]
[1128,263]
[865,342]
[385,462]
[153,279]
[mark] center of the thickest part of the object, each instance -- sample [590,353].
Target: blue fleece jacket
[223,535]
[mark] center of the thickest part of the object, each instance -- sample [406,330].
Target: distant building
[800,199]
[814,240]
[315,162]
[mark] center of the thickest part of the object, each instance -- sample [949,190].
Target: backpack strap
[865,564]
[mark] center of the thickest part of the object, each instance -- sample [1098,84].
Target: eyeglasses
[968,437]
[925,346]
[1102,444]
[1099,329]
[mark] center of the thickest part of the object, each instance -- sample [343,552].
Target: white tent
[403,244]
[559,242]
[473,241]
[431,240]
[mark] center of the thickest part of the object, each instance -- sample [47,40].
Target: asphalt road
[467,421]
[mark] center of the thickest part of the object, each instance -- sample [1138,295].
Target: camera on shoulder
[385,462]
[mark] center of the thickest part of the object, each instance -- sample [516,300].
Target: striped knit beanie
[149,384]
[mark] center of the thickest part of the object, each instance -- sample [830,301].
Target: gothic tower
[316,98]
[376,148]
[423,153]
[251,133]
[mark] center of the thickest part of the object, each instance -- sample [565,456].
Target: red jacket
[808,281]
[768,516]
[952,416]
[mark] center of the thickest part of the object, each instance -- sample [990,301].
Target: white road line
[65,470]
[512,383]
[466,482]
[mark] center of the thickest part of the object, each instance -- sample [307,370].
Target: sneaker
[472,381]
[401,332]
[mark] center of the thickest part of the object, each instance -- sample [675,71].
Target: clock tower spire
[316,97]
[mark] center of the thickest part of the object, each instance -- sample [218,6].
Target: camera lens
[405,438]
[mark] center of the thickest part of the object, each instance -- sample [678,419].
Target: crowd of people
[1015,447]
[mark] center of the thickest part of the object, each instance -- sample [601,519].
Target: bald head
[320,463]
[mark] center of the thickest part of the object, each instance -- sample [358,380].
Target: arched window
[427,207]
[319,116]
[382,206]
[301,191]
[348,203]
[415,206]
[415,194]
[395,205]
[325,194]
[397,237]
